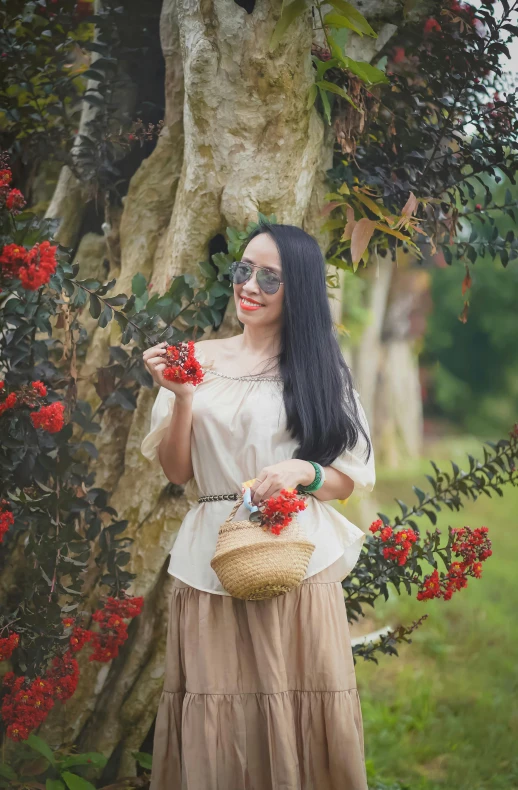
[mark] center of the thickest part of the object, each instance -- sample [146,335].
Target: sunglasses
[267,280]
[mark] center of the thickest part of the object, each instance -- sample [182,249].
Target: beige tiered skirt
[260,695]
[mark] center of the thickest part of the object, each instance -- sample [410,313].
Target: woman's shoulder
[210,352]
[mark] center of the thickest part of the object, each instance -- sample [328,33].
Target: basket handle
[234,510]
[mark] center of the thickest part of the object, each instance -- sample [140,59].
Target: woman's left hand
[272,479]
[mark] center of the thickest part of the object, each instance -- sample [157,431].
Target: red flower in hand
[182,365]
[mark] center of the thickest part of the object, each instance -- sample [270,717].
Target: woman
[261,695]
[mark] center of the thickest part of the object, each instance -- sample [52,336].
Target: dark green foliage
[447,124]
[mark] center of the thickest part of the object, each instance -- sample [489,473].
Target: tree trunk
[238,139]
[386,363]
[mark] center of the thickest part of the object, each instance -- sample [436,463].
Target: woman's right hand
[154,363]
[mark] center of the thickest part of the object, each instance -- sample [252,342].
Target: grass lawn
[444,714]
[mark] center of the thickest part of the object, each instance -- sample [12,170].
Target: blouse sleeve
[162,412]
[353,463]
[161,415]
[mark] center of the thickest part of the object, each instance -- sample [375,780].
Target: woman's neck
[260,343]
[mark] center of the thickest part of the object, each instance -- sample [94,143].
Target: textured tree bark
[238,139]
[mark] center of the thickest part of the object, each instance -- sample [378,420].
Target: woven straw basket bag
[254,564]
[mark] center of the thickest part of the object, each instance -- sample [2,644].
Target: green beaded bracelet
[317,483]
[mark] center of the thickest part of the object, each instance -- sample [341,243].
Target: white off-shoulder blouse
[239,426]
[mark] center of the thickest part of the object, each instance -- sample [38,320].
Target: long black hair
[319,398]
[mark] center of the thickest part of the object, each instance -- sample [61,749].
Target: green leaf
[7,771]
[143,758]
[324,65]
[139,284]
[336,51]
[325,102]
[93,99]
[289,14]
[312,95]
[121,320]
[80,298]
[420,494]
[116,301]
[95,306]
[92,758]
[92,74]
[404,508]
[207,269]
[41,746]
[366,72]
[353,15]
[75,782]
[69,287]
[106,316]
[91,284]
[54,784]
[123,398]
[337,20]
[332,88]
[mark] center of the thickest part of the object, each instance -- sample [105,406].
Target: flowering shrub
[473,546]
[26,703]
[394,550]
[443,130]
[47,492]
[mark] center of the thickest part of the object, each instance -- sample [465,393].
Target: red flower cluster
[13,199]
[5,177]
[399,542]
[114,631]
[83,8]
[80,636]
[431,25]
[64,674]
[7,645]
[473,547]
[8,403]
[33,267]
[25,705]
[182,365]
[40,388]
[277,511]
[49,418]
[398,54]
[6,521]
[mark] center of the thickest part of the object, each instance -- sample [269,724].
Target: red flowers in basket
[182,365]
[277,511]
